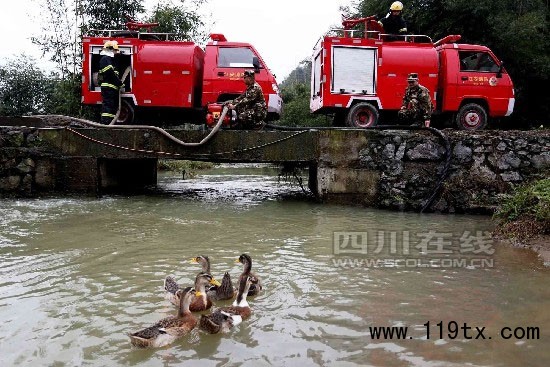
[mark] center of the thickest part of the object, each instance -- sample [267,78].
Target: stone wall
[393,169]
[401,169]
[26,166]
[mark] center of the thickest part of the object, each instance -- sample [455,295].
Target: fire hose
[123,79]
[161,131]
[149,127]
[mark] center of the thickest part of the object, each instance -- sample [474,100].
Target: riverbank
[524,218]
[539,244]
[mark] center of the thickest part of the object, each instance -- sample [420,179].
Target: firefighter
[250,106]
[110,82]
[417,105]
[393,22]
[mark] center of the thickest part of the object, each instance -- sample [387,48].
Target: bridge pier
[126,173]
[97,175]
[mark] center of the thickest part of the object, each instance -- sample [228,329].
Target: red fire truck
[360,76]
[175,79]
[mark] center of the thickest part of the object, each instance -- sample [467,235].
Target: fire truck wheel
[362,115]
[471,116]
[126,116]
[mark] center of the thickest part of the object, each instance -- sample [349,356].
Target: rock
[26,166]
[507,161]
[10,183]
[520,143]
[462,153]
[389,151]
[541,161]
[511,176]
[425,151]
[400,152]
[501,146]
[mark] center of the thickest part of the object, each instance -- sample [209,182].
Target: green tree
[183,20]
[23,87]
[295,91]
[109,14]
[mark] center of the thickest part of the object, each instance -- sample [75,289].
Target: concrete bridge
[380,168]
[123,158]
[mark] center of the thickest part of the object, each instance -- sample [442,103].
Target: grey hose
[124,76]
[148,127]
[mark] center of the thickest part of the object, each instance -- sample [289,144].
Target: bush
[181,165]
[532,201]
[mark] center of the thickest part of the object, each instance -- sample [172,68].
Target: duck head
[204,261]
[246,260]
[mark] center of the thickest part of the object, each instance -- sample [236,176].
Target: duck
[225,318]
[216,293]
[256,286]
[171,287]
[170,284]
[167,330]
[202,302]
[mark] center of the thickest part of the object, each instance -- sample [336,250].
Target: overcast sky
[283,31]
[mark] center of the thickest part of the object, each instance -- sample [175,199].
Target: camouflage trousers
[412,117]
[251,118]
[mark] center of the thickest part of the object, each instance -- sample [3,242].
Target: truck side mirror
[256,64]
[499,72]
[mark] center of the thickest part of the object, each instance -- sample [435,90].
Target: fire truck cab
[360,76]
[170,80]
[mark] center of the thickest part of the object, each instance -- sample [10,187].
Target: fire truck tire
[362,115]
[126,116]
[471,116]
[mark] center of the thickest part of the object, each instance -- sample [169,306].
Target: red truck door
[474,85]
[225,75]
[479,77]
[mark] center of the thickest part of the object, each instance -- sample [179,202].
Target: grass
[182,165]
[526,213]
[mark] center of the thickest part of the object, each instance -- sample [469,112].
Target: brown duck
[167,330]
[216,293]
[201,301]
[224,318]
[256,286]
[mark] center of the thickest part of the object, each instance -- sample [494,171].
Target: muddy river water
[344,285]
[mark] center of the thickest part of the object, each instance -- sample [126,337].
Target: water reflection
[79,273]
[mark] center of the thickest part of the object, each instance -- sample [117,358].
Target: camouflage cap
[412,77]
[249,73]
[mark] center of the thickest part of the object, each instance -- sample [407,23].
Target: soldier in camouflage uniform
[250,105]
[417,105]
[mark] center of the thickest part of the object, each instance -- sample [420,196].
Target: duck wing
[232,311]
[224,291]
[219,321]
[256,285]
[170,285]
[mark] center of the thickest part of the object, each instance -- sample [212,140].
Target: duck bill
[193,261]
[215,282]
[198,294]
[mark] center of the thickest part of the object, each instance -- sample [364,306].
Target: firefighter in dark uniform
[393,22]
[250,106]
[417,105]
[110,82]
